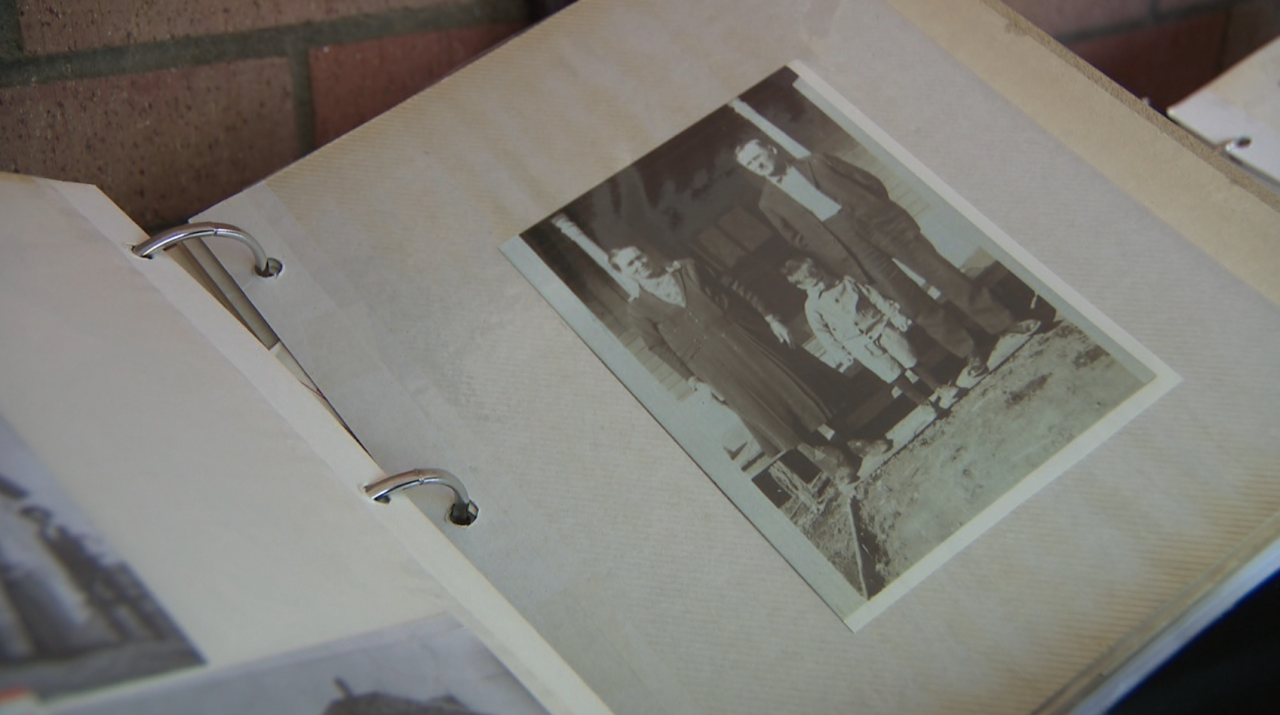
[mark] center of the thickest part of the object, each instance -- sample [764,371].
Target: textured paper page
[246,536]
[1070,99]
[598,528]
[435,666]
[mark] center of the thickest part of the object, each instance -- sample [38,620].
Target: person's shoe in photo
[870,447]
[1024,327]
[973,372]
[1011,341]
[947,396]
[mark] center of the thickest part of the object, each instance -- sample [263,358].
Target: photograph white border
[680,419]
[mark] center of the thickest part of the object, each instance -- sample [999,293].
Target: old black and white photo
[871,371]
[73,615]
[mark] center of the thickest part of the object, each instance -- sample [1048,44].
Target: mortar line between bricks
[186,52]
[1220,61]
[10,31]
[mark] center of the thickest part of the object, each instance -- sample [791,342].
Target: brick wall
[172,105]
[1160,50]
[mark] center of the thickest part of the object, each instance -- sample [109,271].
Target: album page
[567,274]
[161,519]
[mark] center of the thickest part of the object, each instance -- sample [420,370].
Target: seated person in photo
[856,324]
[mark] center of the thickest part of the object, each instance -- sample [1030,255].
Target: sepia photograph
[73,615]
[431,667]
[869,369]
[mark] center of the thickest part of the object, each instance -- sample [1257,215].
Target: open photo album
[859,356]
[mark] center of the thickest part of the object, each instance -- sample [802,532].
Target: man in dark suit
[842,216]
[711,330]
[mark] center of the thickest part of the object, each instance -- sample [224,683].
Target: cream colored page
[597,527]
[399,528]
[245,535]
[327,561]
[1071,99]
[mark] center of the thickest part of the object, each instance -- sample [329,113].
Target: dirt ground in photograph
[1054,388]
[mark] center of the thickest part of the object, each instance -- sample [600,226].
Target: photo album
[869,356]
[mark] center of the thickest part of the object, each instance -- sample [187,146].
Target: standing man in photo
[842,216]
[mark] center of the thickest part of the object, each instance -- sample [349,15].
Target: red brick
[1252,25]
[1060,17]
[1164,6]
[351,84]
[50,26]
[1163,63]
[162,145]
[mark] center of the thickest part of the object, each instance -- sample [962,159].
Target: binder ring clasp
[263,265]
[1229,147]
[463,512]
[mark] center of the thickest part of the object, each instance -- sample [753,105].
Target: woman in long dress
[710,329]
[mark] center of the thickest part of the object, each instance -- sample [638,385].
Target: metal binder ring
[262,264]
[463,512]
[1230,146]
